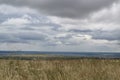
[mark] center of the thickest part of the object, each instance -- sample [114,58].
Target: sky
[60,25]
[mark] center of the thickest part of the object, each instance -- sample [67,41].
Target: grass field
[76,69]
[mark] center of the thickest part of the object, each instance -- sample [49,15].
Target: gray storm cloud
[23,37]
[63,8]
[100,34]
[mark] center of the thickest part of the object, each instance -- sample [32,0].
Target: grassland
[61,69]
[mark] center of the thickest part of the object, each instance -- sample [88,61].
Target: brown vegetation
[79,69]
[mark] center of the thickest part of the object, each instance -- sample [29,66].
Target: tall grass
[79,69]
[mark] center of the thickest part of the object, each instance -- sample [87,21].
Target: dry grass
[79,69]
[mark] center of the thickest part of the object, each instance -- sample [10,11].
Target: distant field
[37,57]
[61,69]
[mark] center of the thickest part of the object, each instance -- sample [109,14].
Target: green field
[61,69]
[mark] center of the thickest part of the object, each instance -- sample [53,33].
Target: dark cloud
[63,8]
[27,28]
[9,38]
[31,36]
[99,34]
[80,31]
[107,35]
[22,37]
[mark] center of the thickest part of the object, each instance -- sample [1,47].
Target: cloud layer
[63,8]
[66,25]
